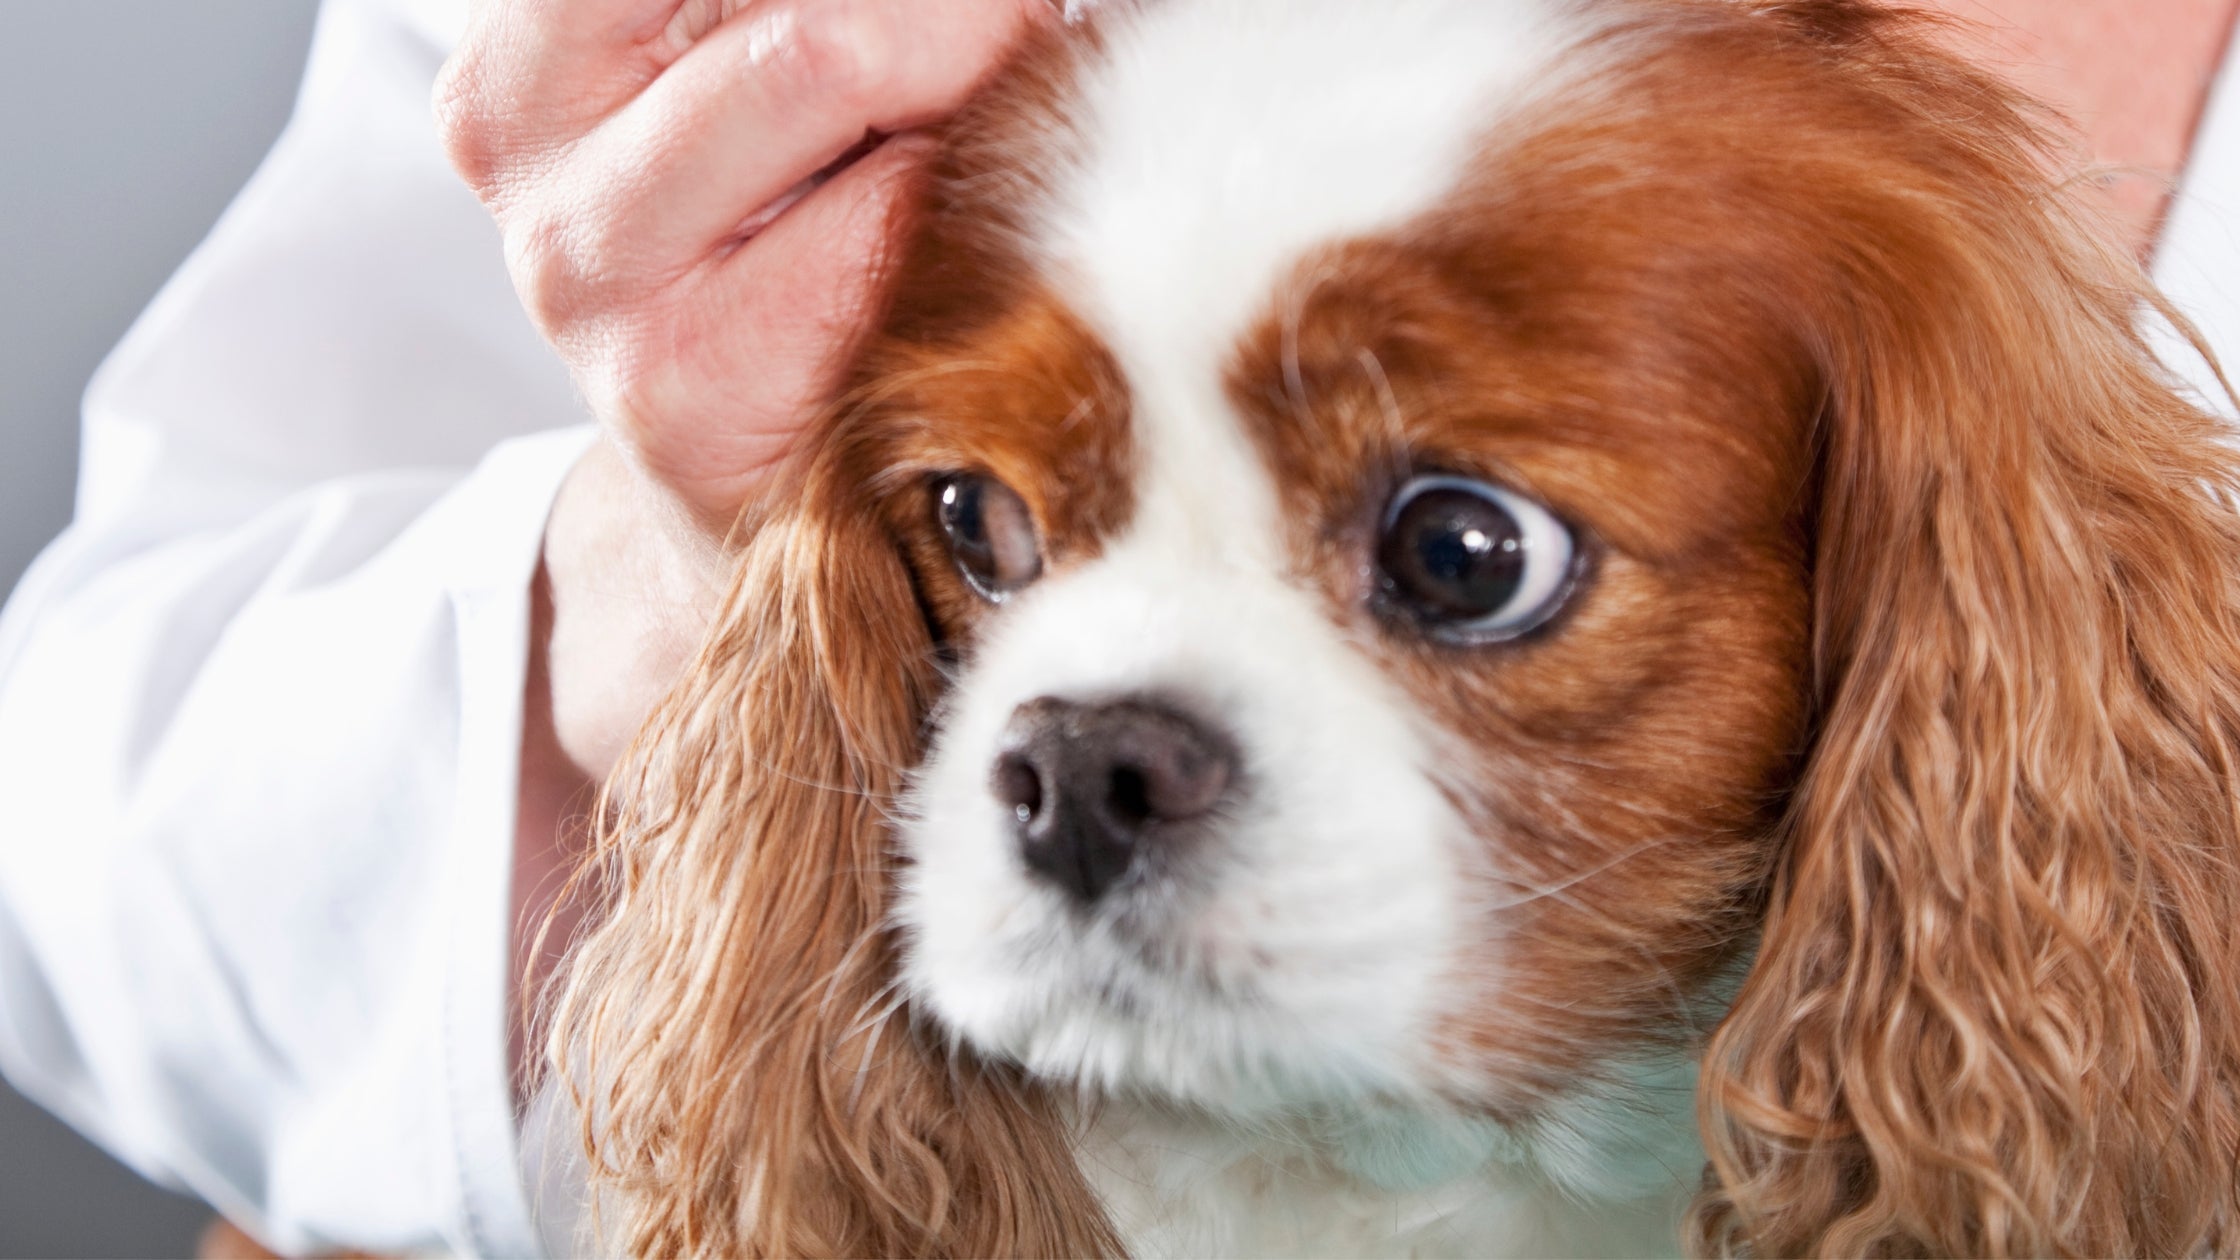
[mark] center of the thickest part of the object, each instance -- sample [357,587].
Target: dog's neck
[1602,1176]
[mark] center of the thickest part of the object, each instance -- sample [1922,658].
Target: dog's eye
[990,532]
[1472,563]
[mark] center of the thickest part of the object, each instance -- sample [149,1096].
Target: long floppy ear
[1996,1004]
[748,1082]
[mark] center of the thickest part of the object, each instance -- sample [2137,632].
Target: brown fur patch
[1026,396]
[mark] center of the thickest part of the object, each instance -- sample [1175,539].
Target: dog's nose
[1095,787]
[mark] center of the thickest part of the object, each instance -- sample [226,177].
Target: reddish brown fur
[1908,645]
[1996,1008]
[749,1087]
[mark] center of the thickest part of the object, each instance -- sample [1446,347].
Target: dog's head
[1415,555]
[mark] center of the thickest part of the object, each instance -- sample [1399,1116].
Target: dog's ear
[749,1082]
[1996,1003]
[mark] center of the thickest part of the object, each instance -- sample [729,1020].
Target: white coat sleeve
[260,704]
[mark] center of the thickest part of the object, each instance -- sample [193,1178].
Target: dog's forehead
[1214,145]
[1302,238]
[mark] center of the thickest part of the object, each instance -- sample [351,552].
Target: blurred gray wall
[125,127]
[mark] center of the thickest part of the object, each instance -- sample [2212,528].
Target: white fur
[1278,1001]
[1221,140]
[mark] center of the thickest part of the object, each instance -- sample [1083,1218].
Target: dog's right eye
[990,532]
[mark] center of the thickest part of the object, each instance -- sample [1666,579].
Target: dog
[1456,626]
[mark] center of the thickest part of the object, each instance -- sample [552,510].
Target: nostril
[1174,771]
[1018,786]
[1128,796]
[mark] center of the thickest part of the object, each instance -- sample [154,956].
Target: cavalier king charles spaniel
[1456,626]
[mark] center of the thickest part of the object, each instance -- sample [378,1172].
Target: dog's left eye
[1469,562]
[990,532]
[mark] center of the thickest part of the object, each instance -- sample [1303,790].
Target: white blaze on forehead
[1222,139]
[1218,142]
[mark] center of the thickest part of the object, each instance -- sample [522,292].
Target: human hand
[695,198]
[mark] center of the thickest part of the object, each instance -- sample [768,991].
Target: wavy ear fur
[749,1083]
[1996,1004]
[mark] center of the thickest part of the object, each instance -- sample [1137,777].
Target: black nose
[1095,787]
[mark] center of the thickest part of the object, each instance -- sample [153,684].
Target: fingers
[708,151]
[775,95]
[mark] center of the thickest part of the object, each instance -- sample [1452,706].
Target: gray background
[125,127]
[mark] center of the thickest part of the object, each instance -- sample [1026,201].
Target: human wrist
[633,578]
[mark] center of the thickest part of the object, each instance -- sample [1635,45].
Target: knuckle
[549,271]
[466,122]
[576,272]
[843,53]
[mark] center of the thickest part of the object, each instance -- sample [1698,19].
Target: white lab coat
[260,705]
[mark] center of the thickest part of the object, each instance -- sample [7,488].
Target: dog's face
[1466,543]
[1374,551]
